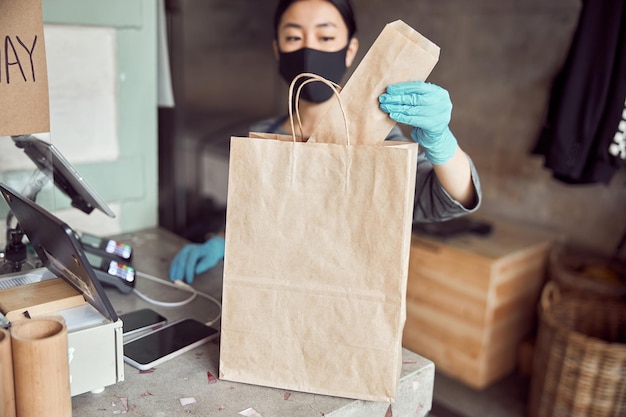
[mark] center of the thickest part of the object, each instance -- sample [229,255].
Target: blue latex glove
[196,258]
[426,107]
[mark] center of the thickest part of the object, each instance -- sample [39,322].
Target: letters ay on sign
[23,73]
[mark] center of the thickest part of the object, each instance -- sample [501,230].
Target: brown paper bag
[316,264]
[398,54]
[23,72]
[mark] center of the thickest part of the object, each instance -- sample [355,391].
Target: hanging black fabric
[583,139]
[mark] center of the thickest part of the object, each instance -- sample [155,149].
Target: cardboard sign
[24,101]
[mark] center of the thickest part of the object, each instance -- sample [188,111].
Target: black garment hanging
[584,136]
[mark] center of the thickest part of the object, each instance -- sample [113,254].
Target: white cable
[181,286]
[163,303]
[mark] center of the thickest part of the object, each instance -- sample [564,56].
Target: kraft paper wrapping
[399,54]
[316,264]
[7,392]
[41,368]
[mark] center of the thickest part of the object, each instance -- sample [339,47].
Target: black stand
[15,251]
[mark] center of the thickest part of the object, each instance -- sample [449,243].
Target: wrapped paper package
[398,54]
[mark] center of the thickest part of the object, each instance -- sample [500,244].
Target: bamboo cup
[41,368]
[7,391]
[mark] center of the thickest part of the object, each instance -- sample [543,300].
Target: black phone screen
[166,342]
[141,319]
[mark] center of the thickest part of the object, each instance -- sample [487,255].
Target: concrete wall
[498,58]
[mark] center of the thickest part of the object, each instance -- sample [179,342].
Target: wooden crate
[471,299]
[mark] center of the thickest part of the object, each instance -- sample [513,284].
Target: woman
[318,36]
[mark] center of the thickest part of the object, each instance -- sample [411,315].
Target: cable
[181,286]
[163,303]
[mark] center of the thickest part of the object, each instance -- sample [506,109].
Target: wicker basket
[580,270]
[579,365]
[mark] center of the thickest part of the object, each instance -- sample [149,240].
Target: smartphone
[106,247]
[171,340]
[141,320]
[112,272]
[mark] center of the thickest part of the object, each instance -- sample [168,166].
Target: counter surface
[188,384]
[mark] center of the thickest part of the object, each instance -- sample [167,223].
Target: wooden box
[472,299]
[96,354]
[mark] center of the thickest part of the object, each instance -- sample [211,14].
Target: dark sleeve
[432,202]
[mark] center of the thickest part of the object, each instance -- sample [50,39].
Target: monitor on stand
[53,165]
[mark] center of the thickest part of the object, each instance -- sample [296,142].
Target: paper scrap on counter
[187,400]
[212,379]
[250,412]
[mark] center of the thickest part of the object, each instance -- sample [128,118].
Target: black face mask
[330,65]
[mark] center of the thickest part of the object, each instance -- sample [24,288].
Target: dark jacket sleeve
[432,202]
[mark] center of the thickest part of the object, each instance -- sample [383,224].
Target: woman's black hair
[344,6]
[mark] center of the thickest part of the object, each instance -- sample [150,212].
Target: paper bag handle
[313,78]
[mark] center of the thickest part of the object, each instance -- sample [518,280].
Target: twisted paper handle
[312,78]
